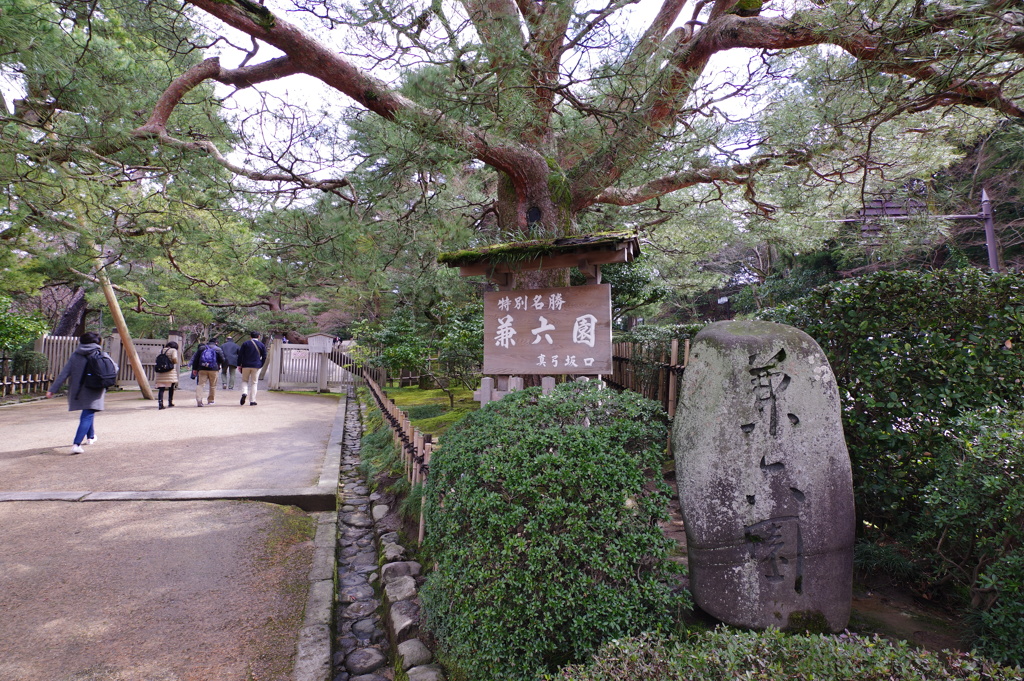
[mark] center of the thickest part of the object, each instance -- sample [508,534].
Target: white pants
[250,377]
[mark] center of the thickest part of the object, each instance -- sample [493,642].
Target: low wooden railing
[21,385]
[415,447]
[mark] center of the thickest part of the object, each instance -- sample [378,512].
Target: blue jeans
[85,428]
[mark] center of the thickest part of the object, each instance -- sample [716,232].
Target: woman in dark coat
[81,398]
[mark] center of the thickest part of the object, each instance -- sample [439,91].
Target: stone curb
[313,649]
[309,499]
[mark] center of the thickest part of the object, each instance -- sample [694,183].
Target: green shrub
[885,559]
[999,628]
[771,655]
[425,411]
[542,516]
[25,362]
[973,532]
[911,351]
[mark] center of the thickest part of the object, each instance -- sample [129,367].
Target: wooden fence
[147,349]
[342,356]
[653,370]
[293,366]
[58,349]
[24,384]
[415,447]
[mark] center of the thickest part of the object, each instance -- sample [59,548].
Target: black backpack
[100,372]
[163,363]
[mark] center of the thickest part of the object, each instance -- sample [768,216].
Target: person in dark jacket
[251,356]
[206,369]
[80,397]
[227,372]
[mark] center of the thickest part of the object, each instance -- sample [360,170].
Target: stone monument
[764,479]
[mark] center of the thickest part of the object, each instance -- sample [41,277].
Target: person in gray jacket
[227,371]
[80,397]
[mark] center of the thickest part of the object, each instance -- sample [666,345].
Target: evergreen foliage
[912,351]
[771,655]
[16,329]
[972,531]
[543,518]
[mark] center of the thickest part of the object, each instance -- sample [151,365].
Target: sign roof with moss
[598,248]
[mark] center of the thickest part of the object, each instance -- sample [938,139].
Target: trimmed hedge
[543,518]
[772,655]
[911,351]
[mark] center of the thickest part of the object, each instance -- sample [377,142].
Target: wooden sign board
[147,353]
[549,331]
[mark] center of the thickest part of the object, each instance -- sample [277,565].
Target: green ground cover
[429,410]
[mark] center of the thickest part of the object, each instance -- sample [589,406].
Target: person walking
[166,371]
[206,364]
[251,356]
[81,397]
[227,373]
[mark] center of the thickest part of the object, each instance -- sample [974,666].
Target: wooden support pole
[122,331]
[417,451]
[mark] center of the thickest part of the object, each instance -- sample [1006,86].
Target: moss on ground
[408,399]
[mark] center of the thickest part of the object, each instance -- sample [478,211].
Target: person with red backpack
[206,364]
[88,372]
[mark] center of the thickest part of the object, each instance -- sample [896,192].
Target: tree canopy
[708,126]
[575,110]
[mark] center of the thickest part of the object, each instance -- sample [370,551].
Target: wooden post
[277,368]
[122,331]
[672,380]
[417,451]
[322,377]
[990,232]
[428,449]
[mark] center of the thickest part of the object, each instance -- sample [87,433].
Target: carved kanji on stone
[764,479]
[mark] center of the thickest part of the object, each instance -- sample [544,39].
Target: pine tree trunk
[71,320]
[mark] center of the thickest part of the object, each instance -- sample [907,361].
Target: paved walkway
[164,553]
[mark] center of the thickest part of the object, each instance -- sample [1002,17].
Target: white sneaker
[89,441]
[77,449]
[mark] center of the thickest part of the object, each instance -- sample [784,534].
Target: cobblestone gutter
[377,609]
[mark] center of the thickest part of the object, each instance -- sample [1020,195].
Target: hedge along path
[655,376]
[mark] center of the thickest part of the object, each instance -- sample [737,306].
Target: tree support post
[122,331]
